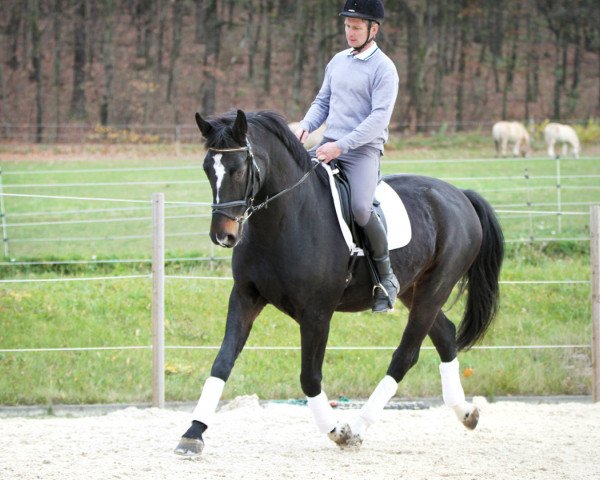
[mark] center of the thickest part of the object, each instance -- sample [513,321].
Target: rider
[356,101]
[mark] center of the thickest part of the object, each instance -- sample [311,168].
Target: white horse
[313,139]
[513,132]
[557,132]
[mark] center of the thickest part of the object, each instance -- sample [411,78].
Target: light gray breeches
[361,167]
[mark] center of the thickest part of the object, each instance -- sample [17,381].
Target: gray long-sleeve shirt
[356,99]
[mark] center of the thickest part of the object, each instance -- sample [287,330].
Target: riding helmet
[365,9]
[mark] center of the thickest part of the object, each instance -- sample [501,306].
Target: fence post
[158,300]
[558,195]
[177,140]
[595,257]
[3,217]
[529,205]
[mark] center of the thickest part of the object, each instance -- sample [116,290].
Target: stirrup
[382,301]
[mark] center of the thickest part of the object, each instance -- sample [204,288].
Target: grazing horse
[293,255]
[559,133]
[513,132]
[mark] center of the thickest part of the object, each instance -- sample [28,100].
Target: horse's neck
[282,175]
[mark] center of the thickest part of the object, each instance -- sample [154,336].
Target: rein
[252,187]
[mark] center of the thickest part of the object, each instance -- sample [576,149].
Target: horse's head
[232,173]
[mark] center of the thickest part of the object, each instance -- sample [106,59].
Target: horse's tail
[482,278]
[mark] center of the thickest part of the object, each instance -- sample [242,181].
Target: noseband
[252,187]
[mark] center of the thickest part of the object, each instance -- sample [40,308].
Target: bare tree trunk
[4,117]
[270,11]
[175,46]
[57,63]
[558,75]
[496,36]
[573,94]
[92,34]
[299,58]
[212,27]
[460,89]
[36,61]
[531,60]
[12,32]
[598,77]
[142,20]
[199,21]
[416,51]
[248,37]
[78,110]
[511,64]
[108,12]
[160,37]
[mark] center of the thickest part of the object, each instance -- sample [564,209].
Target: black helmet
[365,9]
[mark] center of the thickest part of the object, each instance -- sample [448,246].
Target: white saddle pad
[398,224]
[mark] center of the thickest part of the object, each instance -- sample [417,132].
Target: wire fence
[506,211]
[17,220]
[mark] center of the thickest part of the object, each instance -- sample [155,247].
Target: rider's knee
[361,214]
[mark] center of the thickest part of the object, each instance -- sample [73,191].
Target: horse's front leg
[314,334]
[244,307]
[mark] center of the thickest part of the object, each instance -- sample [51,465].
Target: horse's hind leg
[443,336]
[421,317]
[243,310]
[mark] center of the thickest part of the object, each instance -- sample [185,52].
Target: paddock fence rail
[158,277]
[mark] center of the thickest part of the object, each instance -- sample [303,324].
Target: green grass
[117,312]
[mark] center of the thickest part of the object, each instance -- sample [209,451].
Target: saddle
[361,247]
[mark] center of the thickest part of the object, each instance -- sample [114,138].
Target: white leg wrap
[452,391]
[209,400]
[371,411]
[322,412]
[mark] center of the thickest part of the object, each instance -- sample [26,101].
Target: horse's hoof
[343,437]
[471,418]
[189,447]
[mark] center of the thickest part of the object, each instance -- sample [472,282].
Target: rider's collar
[365,54]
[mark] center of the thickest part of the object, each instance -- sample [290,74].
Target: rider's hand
[302,135]
[328,151]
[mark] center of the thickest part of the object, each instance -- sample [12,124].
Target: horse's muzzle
[224,231]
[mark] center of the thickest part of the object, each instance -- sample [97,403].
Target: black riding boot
[386,291]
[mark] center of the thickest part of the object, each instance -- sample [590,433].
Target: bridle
[253,185]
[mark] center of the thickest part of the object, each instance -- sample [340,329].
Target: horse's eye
[237,175]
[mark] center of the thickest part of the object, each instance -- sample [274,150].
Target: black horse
[293,256]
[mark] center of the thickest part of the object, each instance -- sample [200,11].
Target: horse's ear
[203,125]
[240,128]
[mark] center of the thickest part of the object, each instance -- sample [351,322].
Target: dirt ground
[514,440]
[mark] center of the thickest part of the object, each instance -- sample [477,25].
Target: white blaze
[219,172]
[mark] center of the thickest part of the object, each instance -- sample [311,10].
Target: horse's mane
[270,121]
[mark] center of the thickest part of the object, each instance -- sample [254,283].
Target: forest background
[463,64]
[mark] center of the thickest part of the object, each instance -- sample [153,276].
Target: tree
[78,109]
[417,50]
[108,11]
[175,46]
[57,62]
[36,63]
[210,64]
[460,88]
